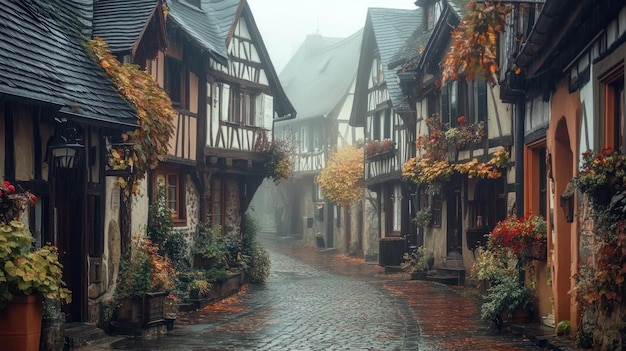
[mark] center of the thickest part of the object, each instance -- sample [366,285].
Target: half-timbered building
[463,208]
[319,80]
[381,109]
[57,110]
[567,82]
[219,77]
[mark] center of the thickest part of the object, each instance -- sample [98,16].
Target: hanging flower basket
[120,160]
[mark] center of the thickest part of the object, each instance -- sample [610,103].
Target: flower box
[142,311]
[538,251]
[153,307]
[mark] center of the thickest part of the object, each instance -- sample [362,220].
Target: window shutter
[481,87]
[225,101]
[445,105]
[268,111]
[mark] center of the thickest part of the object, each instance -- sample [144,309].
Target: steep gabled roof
[208,25]
[211,25]
[440,38]
[319,75]
[409,54]
[121,23]
[42,60]
[386,30]
[459,7]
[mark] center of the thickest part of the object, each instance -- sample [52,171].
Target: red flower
[461,120]
[11,189]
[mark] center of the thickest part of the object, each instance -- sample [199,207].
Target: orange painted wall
[536,274]
[562,143]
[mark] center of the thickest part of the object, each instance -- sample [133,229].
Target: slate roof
[42,61]
[320,74]
[208,26]
[409,54]
[453,12]
[459,7]
[387,31]
[121,22]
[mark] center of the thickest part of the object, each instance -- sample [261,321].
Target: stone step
[81,334]
[444,279]
[456,273]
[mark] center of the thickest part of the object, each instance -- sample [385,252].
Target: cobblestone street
[323,301]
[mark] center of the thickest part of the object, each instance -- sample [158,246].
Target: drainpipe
[520,115]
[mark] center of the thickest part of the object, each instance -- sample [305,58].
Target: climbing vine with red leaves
[474,42]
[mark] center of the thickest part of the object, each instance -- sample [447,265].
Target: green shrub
[258,265]
[160,223]
[210,244]
[506,296]
[255,260]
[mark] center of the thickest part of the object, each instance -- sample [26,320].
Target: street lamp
[65,149]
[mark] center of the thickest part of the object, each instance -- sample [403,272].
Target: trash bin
[390,251]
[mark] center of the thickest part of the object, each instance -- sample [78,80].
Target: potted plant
[170,310]
[522,236]
[507,299]
[423,218]
[459,137]
[601,175]
[418,262]
[26,275]
[426,171]
[564,327]
[144,279]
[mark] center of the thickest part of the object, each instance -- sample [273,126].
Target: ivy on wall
[153,106]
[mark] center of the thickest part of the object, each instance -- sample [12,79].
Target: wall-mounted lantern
[64,150]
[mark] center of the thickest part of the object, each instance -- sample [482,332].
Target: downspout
[520,116]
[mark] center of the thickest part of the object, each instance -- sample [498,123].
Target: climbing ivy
[153,106]
[474,42]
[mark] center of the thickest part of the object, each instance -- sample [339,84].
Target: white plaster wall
[499,115]
[370,227]
[139,209]
[112,247]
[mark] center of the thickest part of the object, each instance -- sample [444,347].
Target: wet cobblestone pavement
[324,301]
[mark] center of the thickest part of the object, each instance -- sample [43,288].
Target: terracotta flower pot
[20,323]
[521,316]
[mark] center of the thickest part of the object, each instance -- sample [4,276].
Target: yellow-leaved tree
[341,180]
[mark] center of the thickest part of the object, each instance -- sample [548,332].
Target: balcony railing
[233,136]
[310,162]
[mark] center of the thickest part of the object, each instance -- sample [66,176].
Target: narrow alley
[316,300]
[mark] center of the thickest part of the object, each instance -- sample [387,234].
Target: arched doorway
[563,240]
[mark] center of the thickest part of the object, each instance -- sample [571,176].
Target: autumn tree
[341,180]
[474,48]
